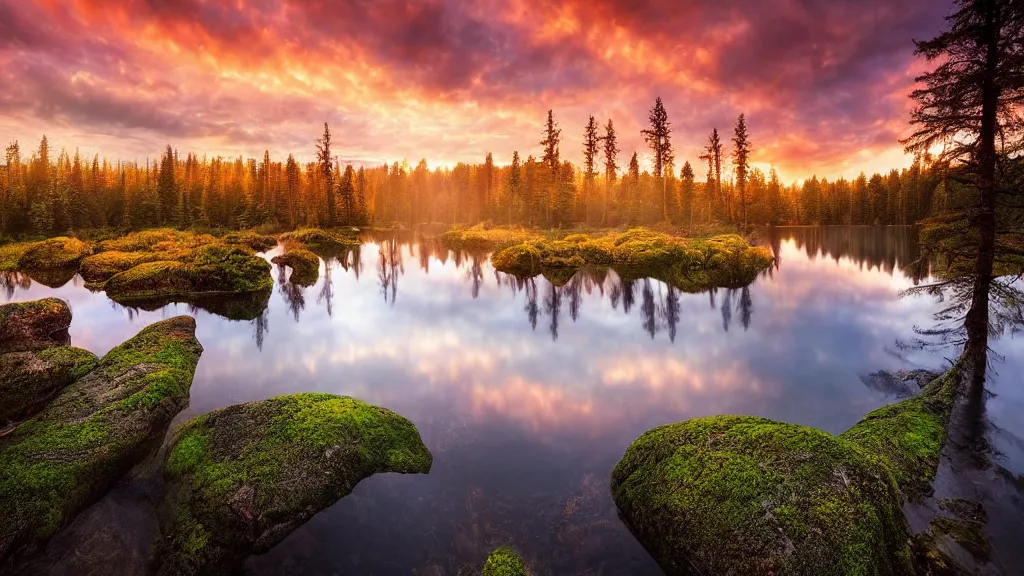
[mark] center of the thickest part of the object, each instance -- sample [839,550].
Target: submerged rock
[304,264]
[65,458]
[28,380]
[747,495]
[242,478]
[34,325]
[505,562]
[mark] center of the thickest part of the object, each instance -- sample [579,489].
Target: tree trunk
[977,318]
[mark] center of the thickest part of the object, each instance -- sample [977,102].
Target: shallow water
[527,394]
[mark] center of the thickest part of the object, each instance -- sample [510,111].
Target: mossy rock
[746,495]
[692,265]
[305,266]
[250,239]
[242,478]
[59,252]
[208,269]
[324,243]
[66,457]
[520,260]
[101,267]
[34,325]
[505,562]
[908,436]
[28,380]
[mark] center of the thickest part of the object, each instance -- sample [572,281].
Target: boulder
[70,454]
[747,495]
[736,495]
[242,478]
[28,380]
[34,325]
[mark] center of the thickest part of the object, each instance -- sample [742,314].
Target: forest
[45,192]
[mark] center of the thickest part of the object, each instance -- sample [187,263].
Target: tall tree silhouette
[611,167]
[326,164]
[713,155]
[590,149]
[968,101]
[659,138]
[740,158]
[552,137]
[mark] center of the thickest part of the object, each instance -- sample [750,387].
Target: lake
[528,393]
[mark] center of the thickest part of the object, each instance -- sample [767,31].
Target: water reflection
[528,391]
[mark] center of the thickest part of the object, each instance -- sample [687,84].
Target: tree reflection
[390,267]
[326,295]
[647,309]
[553,307]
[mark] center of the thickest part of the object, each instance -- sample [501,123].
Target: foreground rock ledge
[242,478]
[64,459]
[28,380]
[748,495]
[34,325]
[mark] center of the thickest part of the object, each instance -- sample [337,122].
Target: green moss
[243,477]
[738,494]
[483,238]
[208,269]
[66,457]
[505,562]
[100,267]
[305,265]
[33,325]
[10,255]
[54,253]
[324,243]
[746,495]
[28,380]
[690,264]
[156,240]
[250,239]
[908,436]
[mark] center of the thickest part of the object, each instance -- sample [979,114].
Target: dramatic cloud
[823,82]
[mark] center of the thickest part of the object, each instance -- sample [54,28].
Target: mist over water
[527,391]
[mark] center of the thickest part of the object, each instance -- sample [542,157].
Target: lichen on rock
[28,380]
[66,457]
[34,325]
[242,478]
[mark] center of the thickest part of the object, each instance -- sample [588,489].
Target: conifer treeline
[47,193]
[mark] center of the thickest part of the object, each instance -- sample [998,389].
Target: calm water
[527,393]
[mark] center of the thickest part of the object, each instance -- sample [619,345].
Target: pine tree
[741,156]
[552,137]
[687,188]
[514,183]
[972,97]
[659,138]
[326,164]
[590,144]
[611,166]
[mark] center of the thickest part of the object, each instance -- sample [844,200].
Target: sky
[823,83]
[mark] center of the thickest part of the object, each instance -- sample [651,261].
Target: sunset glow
[823,84]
